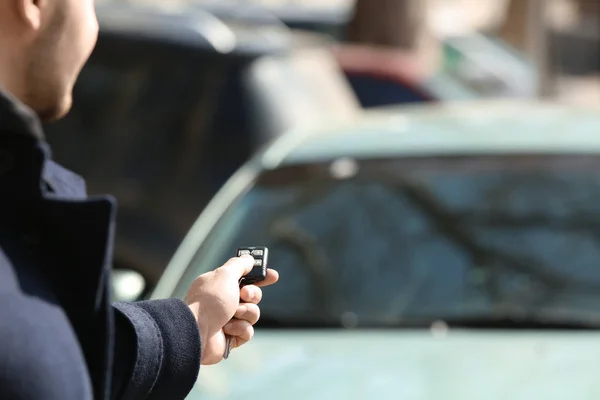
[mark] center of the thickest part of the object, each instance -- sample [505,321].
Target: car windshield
[392,242]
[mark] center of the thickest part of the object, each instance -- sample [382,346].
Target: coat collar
[19,123]
[18,118]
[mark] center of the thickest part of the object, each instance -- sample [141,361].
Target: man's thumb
[239,266]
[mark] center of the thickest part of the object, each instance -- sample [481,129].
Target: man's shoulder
[35,337]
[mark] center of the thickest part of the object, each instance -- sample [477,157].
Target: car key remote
[257,274]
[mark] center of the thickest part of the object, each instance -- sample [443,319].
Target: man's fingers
[248,312]
[251,294]
[237,341]
[238,266]
[240,331]
[272,277]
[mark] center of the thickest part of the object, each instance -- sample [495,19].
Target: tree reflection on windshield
[389,247]
[500,253]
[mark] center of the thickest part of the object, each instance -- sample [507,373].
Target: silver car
[448,252]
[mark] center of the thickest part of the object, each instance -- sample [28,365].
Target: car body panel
[331,12]
[411,365]
[453,128]
[487,67]
[183,25]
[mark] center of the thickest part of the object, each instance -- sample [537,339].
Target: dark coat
[60,336]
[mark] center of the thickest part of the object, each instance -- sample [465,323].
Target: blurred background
[409,163]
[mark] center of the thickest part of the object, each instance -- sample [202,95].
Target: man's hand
[214,298]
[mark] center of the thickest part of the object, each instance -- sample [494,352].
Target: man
[60,337]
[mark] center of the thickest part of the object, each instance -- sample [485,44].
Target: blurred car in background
[425,252]
[172,102]
[479,59]
[466,72]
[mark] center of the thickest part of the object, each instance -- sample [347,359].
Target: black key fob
[259,272]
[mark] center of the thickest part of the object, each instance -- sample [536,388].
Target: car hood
[408,365]
[401,364]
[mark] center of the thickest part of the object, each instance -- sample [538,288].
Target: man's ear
[30,11]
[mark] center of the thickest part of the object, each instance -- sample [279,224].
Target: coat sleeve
[157,350]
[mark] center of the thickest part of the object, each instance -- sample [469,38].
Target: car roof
[313,11]
[512,126]
[184,24]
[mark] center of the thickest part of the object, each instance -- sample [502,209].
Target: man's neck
[8,81]
[17,116]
